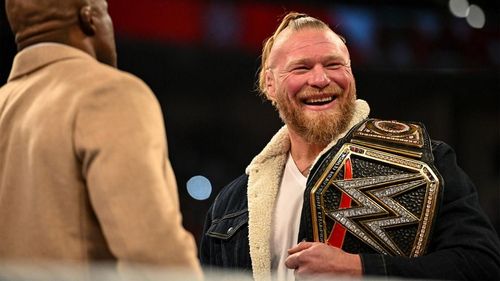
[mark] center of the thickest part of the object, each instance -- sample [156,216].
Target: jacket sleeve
[224,241]
[464,244]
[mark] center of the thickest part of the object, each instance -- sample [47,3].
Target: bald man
[84,170]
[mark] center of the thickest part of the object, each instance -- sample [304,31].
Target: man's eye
[300,68]
[334,65]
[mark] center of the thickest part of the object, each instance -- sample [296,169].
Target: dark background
[413,60]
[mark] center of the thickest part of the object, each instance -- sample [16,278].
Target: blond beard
[319,127]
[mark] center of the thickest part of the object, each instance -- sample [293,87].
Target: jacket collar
[264,177]
[40,55]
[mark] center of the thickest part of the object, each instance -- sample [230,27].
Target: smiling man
[336,193]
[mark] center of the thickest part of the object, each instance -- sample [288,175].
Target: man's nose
[319,77]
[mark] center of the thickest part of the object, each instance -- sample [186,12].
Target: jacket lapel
[264,177]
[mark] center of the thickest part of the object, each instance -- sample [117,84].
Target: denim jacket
[463,245]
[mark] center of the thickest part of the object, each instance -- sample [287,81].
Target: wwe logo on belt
[376,209]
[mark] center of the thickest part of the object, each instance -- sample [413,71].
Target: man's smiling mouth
[318,100]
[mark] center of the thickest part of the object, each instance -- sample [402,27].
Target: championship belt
[376,191]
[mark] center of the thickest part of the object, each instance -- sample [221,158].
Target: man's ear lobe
[86,20]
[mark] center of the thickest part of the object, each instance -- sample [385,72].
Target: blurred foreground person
[84,173]
[336,193]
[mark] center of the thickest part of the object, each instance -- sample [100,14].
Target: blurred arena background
[435,61]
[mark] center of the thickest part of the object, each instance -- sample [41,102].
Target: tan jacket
[84,170]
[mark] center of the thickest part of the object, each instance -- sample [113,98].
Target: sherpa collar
[264,177]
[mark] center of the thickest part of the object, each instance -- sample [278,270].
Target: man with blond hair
[336,193]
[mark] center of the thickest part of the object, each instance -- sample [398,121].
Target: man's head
[305,72]
[83,24]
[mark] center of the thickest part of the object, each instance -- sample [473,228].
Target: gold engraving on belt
[390,131]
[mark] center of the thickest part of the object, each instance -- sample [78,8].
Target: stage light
[459,8]
[476,17]
[199,187]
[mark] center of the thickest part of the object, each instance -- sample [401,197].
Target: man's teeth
[319,100]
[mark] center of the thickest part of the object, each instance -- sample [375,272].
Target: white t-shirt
[286,218]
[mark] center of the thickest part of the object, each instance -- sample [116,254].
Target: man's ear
[270,86]
[86,20]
